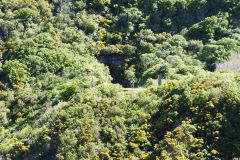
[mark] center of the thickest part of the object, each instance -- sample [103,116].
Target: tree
[25,15]
[15,72]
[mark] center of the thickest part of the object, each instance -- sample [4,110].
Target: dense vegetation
[56,98]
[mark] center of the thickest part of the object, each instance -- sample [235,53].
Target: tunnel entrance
[115,64]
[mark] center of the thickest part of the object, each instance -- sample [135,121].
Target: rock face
[50,156]
[115,64]
[111,60]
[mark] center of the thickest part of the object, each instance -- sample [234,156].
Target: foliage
[56,99]
[15,72]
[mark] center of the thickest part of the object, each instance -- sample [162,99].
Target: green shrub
[155,71]
[178,41]
[210,28]
[15,72]
[195,46]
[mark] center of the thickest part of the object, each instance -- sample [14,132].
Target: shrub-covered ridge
[57,100]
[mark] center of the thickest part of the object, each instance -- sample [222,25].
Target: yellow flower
[238,100]
[219,115]
[182,158]
[35,3]
[115,5]
[148,116]
[122,7]
[133,145]
[19,114]
[200,141]
[214,151]
[14,138]
[146,156]
[211,105]
[169,120]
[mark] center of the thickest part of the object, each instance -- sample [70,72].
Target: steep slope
[57,99]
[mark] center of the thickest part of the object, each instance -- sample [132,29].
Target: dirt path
[133,90]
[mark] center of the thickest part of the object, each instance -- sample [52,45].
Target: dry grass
[232,63]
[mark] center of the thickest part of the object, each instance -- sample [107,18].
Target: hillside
[65,71]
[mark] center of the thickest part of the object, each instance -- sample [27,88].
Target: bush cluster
[57,99]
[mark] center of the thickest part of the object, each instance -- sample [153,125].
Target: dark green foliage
[155,71]
[210,28]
